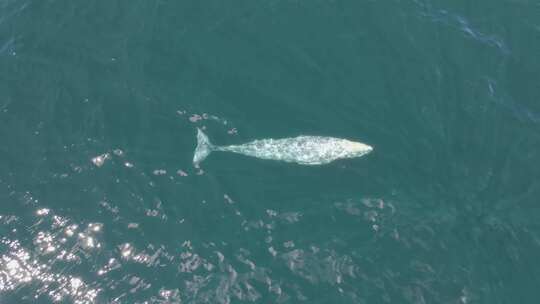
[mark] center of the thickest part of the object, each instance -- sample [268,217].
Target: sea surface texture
[100,102]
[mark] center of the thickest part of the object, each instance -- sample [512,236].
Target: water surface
[99,105]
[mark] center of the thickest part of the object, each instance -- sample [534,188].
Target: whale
[303,150]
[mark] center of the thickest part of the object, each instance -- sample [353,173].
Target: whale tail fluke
[203,149]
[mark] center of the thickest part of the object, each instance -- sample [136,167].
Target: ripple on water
[85,262]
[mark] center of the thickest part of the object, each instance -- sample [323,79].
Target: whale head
[357,149]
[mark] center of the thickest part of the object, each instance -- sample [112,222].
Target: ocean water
[99,106]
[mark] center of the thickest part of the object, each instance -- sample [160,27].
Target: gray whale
[303,150]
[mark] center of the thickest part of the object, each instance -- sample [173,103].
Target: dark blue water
[99,107]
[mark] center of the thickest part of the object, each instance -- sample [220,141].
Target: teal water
[444,210]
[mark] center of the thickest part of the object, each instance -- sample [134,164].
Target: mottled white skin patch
[304,150]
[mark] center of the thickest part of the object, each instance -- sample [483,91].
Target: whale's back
[306,150]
